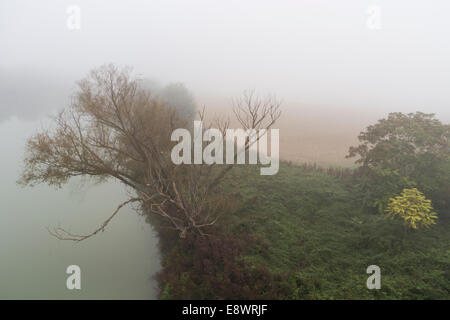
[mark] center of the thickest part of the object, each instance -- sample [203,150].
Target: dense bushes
[211,267]
[302,235]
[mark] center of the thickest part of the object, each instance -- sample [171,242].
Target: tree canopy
[405,150]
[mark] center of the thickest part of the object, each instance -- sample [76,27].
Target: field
[301,234]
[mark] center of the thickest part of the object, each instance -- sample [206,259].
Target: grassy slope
[309,227]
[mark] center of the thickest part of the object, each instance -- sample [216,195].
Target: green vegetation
[310,232]
[303,235]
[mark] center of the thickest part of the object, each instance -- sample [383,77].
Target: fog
[334,72]
[307,52]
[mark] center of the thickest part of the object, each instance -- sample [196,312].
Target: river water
[117,264]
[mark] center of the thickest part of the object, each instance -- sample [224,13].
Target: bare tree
[116,129]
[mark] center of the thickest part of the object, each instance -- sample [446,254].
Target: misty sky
[307,52]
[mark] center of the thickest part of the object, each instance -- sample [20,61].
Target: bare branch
[63,234]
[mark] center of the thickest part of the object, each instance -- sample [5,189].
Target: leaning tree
[115,128]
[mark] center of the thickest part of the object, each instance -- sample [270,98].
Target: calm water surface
[117,264]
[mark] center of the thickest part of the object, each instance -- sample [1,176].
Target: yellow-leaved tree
[412,206]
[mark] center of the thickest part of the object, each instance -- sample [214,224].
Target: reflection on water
[116,264]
